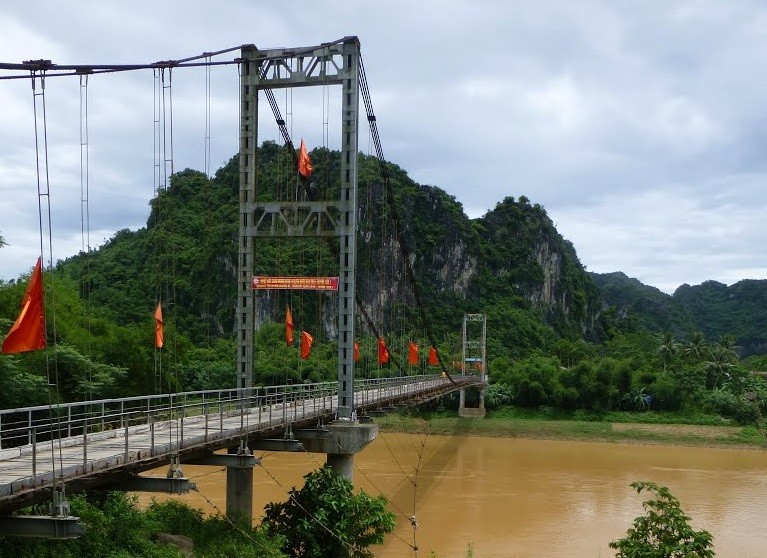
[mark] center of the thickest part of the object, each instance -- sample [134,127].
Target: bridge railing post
[85,447]
[205,412]
[182,413]
[151,434]
[33,435]
[125,459]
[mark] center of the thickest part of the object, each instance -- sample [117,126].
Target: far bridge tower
[474,360]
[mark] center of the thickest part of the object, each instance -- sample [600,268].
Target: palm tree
[717,366]
[722,358]
[696,348]
[668,349]
[727,343]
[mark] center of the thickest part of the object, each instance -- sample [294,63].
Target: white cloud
[638,126]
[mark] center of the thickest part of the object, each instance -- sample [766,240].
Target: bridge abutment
[471,412]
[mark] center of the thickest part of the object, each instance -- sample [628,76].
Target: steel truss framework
[328,64]
[474,342]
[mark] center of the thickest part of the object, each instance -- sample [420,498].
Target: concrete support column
[343,464]
[482,399]
[239,492]
[461,402]
[239,483]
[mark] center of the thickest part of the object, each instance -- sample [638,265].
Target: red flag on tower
[158,323]
[305,167]
[433,360]
[412,353]
[383,352]
[356,352]
[289,327]
[28,331]
[306,344]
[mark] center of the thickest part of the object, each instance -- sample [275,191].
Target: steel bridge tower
[474,357]
[328,64]
[474,349]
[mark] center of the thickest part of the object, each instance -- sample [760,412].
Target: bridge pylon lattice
[474,360]
[260,70]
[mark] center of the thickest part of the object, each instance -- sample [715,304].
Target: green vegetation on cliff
[550,340]
[711,308]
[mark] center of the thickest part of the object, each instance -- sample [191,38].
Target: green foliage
[215,536]
[327,519]
[498,395]
[517,240]
[540,336]
[710,309]
[117,528]
[640,307]
[664,531]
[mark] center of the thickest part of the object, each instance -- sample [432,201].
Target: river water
[528,498]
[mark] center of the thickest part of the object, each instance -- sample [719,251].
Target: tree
[327,519]
[667,349]
[664,531]
[696,347]
[723,357]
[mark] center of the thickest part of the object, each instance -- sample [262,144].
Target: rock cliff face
[508,263]
[511,256]
[524,255]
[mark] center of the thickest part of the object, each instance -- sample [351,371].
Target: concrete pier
[239,493]
[340,440]
[239,463]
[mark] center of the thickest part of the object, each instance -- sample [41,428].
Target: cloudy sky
[637,125]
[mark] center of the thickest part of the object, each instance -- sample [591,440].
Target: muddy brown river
[528,498]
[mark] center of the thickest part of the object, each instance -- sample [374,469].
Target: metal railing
[91,436]
[27,425]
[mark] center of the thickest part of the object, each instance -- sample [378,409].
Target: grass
[652,428]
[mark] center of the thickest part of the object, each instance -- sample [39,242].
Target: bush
[498,395]
[327,519]
[664,531]
[727,404]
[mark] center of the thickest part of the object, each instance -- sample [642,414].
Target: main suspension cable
[406,254]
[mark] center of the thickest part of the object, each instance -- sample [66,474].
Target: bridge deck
[102,442]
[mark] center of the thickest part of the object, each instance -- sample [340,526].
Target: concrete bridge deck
[102,443]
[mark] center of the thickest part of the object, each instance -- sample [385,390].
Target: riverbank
[645,428]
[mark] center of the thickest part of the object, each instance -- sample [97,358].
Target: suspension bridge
[106,443]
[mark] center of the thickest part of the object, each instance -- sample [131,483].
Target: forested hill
[511,263]
[712,308]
